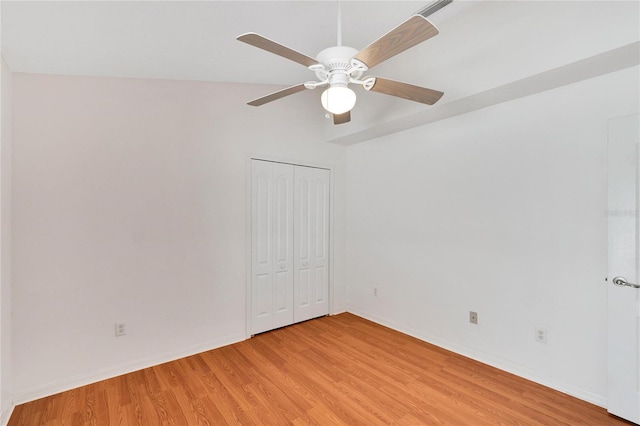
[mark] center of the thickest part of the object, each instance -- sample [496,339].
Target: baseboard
[485,358]
[38,392]
[5,414]
[27,395]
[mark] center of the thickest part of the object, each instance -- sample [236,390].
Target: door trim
[248,242]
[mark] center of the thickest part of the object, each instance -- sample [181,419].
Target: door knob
[304,263]
[282,266]
[622,282]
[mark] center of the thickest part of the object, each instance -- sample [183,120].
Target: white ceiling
[482,45]
[191,40]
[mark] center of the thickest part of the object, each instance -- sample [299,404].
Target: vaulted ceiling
[189,40]
[482,45]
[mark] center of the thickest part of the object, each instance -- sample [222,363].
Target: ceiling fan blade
[271,46]
[342,118]
[403,90]
[413,31]
[277,95]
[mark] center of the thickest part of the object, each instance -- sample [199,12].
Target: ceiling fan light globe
[338,100]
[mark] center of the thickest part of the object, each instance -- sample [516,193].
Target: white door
[311,224]
[271,245]
[624,300]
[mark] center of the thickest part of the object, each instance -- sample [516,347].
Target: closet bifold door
[272,245]
[311,247]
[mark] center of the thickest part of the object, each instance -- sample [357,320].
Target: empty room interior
[199,226]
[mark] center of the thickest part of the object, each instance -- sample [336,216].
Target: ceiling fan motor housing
[337,67]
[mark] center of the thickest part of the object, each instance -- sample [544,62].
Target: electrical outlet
[541,335]
[375,291]
[473,317]
[121,328]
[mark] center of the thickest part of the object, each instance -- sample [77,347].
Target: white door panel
[261,280]
[262,219]
[263,294]
[283,244]
[272,245]
[623,301]
[302,295]
[321,252]
[311,224]
[290,244]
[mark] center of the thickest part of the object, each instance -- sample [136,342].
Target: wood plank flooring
[340,370]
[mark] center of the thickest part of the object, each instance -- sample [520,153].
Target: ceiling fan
[339,66]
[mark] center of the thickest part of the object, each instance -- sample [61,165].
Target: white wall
[6,382]
[499,211]
[130,201]
[129,205]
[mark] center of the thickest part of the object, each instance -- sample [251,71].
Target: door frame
[248,230]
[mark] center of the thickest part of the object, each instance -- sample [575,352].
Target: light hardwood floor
[329,371]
